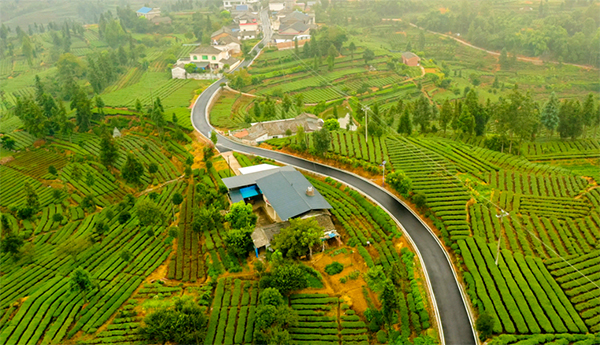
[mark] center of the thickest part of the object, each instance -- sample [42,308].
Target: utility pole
[383,181]
[500,216]
[366,109]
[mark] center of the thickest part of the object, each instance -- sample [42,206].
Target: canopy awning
[250,191]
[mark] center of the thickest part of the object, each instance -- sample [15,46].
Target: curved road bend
[455,320]
[452,310]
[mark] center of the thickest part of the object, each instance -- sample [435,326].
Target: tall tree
[549,116]
[503,59]
[405,125]
[525,115]
[30,113]
[422,113]
[240,216]
[298,238]
[83,114]
[81,281]
[389,302]
[157,114]
[27,49]
[301,138]
[479,113]
[466,120]
[400,182]
[100,104]
[239,241]
[286,103]
[368,55]
[570,120]
[446,115]
[132,170]
[322,140]
[149,213]
[183,322]
[11,243]
[352,49]
[109,151]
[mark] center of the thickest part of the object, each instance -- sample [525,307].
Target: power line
[444,169]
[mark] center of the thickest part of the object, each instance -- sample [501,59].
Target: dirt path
[232,161]
[160,185]
[533,60]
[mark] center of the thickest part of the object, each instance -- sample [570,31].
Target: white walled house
[209,54]
[206,58]
[230,4]
[248,22]
[148,12]
[178,71]
[276,6]
[228,43]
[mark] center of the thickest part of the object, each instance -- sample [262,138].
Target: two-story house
[206,58]
[248,22]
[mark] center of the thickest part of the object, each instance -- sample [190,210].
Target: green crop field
[521,218]
[105,236]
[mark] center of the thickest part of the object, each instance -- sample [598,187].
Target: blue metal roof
[241,8]
[144,10]
[286,192]
[248,192]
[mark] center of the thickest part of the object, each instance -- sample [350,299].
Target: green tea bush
[334,268]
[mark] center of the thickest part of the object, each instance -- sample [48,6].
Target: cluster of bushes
[415,294]
[365,255]
[355,163]
[378,214]
[352,276]
[334,268]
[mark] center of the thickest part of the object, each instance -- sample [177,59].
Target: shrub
[382,336]
[334,268]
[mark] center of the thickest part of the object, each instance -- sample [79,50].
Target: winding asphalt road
[456,326]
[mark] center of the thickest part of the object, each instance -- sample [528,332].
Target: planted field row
[14,193]
[35,163]
[554,207]
[579,277]
[540,339]
[432,175]
[514,162]
[233,312]
[115,285]
[549,150]
[463,158]
[319,321]
[123,329]
[519,293]
[538,185]
[352,144]
[88,181]
[22,138]
[361,227]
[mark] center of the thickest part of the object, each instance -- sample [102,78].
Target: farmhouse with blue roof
[148,12]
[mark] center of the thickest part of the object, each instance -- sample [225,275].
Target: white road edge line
[429,287]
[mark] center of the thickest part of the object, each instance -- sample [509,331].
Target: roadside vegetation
[490,149]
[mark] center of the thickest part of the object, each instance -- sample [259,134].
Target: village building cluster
[290,21]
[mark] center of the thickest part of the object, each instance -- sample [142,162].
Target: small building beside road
[261,131]
[410,59]
[283,192]
[148,12]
